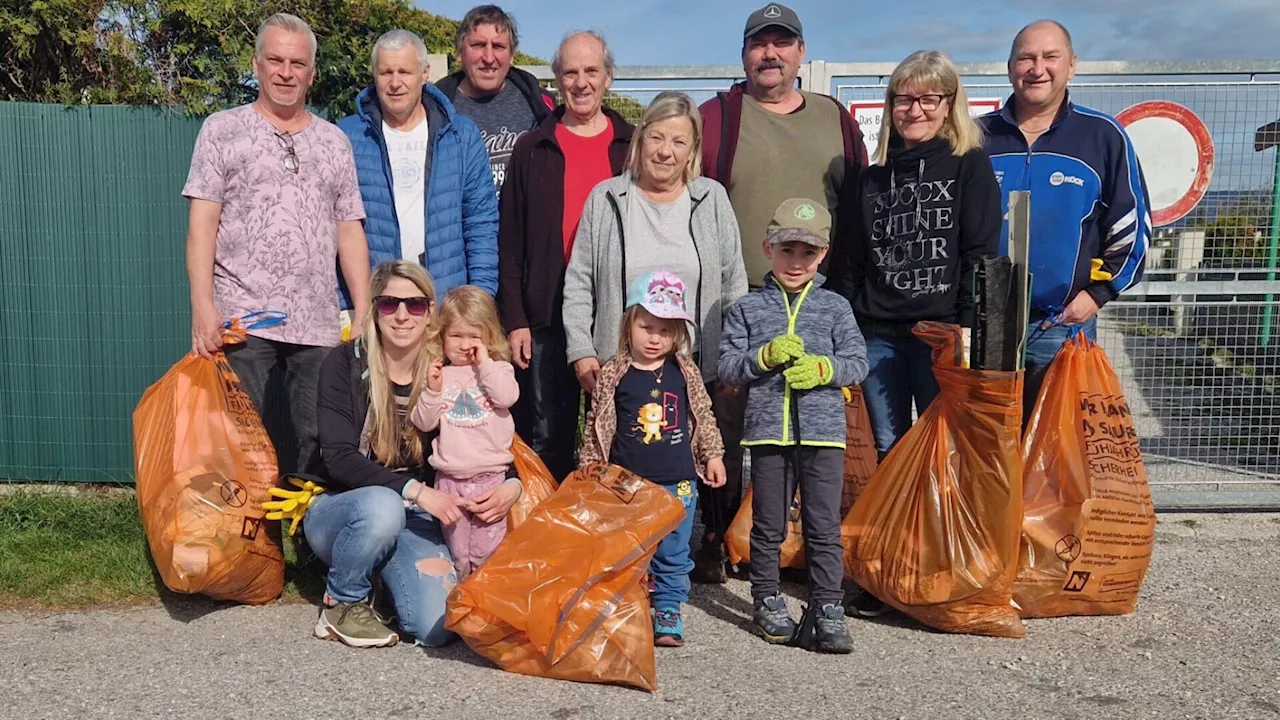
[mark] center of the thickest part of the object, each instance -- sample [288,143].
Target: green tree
[1237,231]
[194,53]
[72,51]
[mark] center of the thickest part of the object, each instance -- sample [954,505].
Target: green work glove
[780,351]
[808,372]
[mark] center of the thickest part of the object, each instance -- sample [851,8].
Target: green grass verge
[77,549]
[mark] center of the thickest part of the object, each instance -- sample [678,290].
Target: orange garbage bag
[563,596]
[535,478]
[204,464]
[859,463]
[1089,522]
[935,533]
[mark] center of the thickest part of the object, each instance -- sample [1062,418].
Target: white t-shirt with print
[407,152]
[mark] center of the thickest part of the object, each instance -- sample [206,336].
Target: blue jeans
[669,571]
[358,531]
[1042,348]
[901,369]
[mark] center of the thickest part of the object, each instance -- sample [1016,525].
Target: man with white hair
[552,171]
[424,172]
[273,201]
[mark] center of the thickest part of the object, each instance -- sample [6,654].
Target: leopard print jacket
[602,421]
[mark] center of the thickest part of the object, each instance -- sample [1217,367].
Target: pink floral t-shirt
[277,241]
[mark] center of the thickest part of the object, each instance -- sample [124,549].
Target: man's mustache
[770,65]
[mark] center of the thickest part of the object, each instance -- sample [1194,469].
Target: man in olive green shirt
[766,141]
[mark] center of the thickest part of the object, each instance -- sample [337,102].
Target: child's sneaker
[668,628]
[773,622]
[830,634]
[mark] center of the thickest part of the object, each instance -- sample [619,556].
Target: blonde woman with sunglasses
[380,511]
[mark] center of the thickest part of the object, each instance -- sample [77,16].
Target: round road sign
[1176,152]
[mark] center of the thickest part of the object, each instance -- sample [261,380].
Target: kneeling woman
[380,512]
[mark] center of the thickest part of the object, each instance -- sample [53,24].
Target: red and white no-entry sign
[1176,153]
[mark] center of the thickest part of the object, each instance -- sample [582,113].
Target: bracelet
[414,499]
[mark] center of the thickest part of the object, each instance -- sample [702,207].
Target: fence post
[1273,248]
[818,80]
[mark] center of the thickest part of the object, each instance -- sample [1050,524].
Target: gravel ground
[1202,645]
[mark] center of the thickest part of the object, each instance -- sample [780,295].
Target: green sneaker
[354,624]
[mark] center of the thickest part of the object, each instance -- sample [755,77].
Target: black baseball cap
[771,15]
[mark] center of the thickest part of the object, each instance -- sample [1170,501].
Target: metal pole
[1273,250]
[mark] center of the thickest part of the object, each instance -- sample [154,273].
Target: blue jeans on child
[1042,348]
[358,531]
[901,369]
[671,565]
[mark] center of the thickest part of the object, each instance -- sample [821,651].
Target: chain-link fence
[1197,344]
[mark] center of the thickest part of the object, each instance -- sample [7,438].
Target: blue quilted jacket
[462,211]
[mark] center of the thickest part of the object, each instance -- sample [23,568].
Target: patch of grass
[74,549]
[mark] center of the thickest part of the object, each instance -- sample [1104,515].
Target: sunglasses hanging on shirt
[291,156]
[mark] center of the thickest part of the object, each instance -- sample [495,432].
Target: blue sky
[709,32]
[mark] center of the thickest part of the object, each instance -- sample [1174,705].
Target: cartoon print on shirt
[466,405]
[655,417]
[652,420]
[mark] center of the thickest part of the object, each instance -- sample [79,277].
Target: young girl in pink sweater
[469,399]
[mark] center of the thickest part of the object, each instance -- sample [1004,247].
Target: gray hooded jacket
[595,288]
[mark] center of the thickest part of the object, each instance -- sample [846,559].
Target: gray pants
[774,476]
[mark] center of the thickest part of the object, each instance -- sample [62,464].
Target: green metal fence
[93,292]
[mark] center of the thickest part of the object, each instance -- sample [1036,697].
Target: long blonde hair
[474,307]
[669,104]
[392,438]
[682,344]
[931,69]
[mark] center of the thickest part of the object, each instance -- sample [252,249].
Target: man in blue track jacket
[1090,215]
[424,173]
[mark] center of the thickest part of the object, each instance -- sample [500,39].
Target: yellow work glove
[1096,273]
[294,503]
[808,372]
[780,351]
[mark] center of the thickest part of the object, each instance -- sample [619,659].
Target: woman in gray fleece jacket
[658,214]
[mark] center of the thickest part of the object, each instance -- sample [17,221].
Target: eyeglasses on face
[291,156]
[931,101]
[389,304]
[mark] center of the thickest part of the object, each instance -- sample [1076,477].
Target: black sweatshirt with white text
[927,218]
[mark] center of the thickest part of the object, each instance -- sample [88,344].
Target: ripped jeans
[358,531]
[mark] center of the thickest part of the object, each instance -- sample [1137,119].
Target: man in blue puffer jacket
[424,173]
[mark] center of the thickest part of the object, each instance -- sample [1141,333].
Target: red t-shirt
[586,164]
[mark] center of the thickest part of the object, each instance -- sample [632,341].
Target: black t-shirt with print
[654,439]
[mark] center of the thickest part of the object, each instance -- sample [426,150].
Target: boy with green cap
[796,345]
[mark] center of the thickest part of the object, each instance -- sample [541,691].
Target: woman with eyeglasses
[380,511]
[930,210]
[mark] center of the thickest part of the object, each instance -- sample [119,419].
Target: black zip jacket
[342,401]
[531,257]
